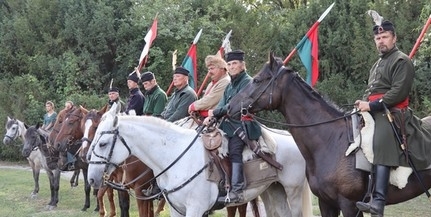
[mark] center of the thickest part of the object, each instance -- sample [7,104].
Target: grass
[17,184]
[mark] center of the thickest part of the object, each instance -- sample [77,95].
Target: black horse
[332,176]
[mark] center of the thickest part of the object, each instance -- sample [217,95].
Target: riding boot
[237,184]
[376,205]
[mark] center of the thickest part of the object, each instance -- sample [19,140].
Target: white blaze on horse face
[88,124]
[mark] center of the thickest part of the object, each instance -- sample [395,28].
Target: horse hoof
[33,196]
[50,207]
[96,209]
[84,209]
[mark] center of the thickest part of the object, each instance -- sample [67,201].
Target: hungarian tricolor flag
[149,38]
[308,51]
[190,63]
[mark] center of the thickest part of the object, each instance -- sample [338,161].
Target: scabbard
[256,149]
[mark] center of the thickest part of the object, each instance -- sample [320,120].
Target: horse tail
[307,206]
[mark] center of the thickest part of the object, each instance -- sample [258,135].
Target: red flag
[149,38]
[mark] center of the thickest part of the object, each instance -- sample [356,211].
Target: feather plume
[174,60]
[376,17]
[110,85]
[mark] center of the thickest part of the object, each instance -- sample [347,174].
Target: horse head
[34,138]
[13,130]
[89,125]
[70,130]
[101,158]
[264,92]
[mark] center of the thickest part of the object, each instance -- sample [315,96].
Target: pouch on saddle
[216,143]
[365,155]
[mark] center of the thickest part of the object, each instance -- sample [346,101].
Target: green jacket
[230,124]
[393,75]
[178,105]
[155,101]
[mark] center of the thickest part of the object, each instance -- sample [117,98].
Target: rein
[106,160]
[244,111]
[303,125]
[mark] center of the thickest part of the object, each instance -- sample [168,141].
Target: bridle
[16,133]
[245,110]
[107,162]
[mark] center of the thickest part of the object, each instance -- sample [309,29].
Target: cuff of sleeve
[376,105]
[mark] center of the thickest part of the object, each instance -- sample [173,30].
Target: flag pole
[420,38]
[149,37]
[221,51]
[174,64]
[308,33]
[195,41]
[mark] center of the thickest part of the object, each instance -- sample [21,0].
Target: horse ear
[103,109]
[118,109]
[271,58]
[38,125]
[8,118]
[84,110]
[26,126]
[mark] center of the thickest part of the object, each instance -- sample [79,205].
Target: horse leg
[160,206]
[87,189]
[275,201]
[36,172]
[124,200]
[231,211]
[326,210]
[242,210]
[74,179]
[54,185]
[255,207]
[95,192]
[110,192]
[100,194]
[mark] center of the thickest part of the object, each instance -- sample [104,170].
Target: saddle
[363,148]
[257,170]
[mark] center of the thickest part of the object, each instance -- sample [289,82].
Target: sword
[403,148]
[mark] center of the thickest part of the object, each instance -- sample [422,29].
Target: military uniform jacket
[213,94]
[229,124]
[155,101]
[135,101]
[123,106]
[392,75]
[179,103]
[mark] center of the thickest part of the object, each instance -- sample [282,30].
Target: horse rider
[136,98]
[239,79]
[181,99]
[389,84]
[50,116]
[155,97]
[217,70]
[114,97]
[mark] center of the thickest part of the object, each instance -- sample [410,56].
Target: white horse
[159,144]
[16,129]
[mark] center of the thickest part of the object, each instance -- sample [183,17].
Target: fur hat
[215,61]
[181,70]
[133,76]
[235,55]
[114,89]
[385,26]
[147,76]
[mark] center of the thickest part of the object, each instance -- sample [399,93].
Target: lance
[403,148]
[224,48]
[195,41]
[420,38]
[314,26]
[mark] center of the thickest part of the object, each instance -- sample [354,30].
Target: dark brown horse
[57,158]
[133,174]
[332,176]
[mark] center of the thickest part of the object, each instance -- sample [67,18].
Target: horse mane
[306,88]
[155,121]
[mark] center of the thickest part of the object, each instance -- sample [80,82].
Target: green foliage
[70,50]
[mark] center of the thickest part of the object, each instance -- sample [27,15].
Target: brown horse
[57,158]
[319,129]
[133,174]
